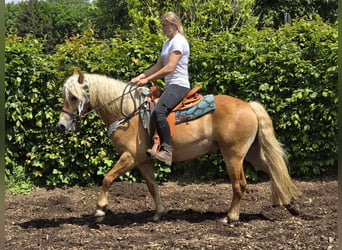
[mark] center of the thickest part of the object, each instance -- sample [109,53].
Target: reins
[130,91]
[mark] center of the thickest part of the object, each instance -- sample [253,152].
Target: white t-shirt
[180,75]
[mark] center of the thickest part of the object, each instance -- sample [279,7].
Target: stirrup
[155,148]
[152,152]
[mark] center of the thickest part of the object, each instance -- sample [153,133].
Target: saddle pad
[206,105]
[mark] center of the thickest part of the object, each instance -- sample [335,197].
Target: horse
[239,130]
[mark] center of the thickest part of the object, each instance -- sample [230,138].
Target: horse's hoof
[98,220]
[99,213]
[158,215]
[227,221]
[293,209]
[224,221]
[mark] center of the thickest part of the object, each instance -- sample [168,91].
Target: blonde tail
[273,159]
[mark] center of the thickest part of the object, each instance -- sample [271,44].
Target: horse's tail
[272,158]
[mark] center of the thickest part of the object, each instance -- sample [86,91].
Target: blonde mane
[100,90]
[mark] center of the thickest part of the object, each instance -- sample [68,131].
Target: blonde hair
[173,18]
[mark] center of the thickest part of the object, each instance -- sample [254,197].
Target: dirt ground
[61,218]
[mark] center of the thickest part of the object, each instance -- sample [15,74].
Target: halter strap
[73,115]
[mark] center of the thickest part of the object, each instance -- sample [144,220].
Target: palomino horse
[240,130]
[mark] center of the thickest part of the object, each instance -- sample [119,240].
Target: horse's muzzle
[66,126]
[61,127]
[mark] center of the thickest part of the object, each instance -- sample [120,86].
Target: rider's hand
[143,81]
[136,80]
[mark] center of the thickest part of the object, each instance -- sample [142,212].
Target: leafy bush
[293,72]
[201,18]
[30,89]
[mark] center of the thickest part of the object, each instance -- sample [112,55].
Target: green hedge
[292,71]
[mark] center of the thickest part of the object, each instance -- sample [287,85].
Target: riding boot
[165,154]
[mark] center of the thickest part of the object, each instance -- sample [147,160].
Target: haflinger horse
[239,130]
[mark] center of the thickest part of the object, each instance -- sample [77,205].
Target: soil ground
[61,218]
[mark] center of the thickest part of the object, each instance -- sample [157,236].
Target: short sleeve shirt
[180,75]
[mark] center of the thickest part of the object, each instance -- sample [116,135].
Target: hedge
[292,71]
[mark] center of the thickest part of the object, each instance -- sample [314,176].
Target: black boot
[165,154]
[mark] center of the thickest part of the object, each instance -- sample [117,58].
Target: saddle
[191,99]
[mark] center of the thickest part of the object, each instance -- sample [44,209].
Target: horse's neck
[106,96]
[106,116]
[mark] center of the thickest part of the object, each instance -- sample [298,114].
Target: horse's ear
[80,77]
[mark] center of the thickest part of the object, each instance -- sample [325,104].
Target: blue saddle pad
[206,105]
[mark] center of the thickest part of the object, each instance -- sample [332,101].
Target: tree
[53,20]
[11,15]
[112,17]
[28,20]
[271,12]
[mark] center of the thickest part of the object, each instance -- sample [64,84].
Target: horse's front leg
[124,164]
[148,174]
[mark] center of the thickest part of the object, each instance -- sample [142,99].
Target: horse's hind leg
[236,174]
[148,174]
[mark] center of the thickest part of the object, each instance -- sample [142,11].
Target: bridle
[76,117]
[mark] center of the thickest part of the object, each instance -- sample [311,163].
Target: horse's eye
[73,99]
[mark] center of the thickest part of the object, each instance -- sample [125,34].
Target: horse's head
[76,102]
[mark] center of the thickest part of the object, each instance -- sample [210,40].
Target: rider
[172,65]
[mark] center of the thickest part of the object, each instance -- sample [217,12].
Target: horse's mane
[99,90]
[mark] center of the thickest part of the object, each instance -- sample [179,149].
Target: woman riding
[172,65]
